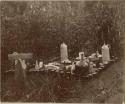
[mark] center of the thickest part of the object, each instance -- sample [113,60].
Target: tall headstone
[64,52]
[105,54]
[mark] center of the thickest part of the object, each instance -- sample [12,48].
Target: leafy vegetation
[40,27]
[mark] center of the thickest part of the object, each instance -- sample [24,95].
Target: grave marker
[21,57]
[105,54]
[64,52]
[20,67]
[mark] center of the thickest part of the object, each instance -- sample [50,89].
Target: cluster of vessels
[82,66]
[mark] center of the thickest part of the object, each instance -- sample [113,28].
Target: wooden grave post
[20,69]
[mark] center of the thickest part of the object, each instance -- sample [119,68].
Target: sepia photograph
[62,51]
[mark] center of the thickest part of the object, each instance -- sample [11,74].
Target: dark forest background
[40,27]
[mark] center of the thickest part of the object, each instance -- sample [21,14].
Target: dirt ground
[105,87]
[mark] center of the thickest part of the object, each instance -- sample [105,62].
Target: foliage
[40,26]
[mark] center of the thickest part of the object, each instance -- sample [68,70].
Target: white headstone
[64,52]
[105,54]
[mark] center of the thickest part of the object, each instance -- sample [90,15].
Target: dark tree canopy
[40,26]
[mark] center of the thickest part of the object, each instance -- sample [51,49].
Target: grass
[50,88]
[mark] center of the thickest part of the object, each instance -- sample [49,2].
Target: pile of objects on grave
[81,66]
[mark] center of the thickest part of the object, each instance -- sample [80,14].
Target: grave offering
[83,62]
[72,67]
[40,64]
[50,66]
[105,54]
[64,52]
[36,65]
[81,55]
[91,67]
[54,63]
[95,56]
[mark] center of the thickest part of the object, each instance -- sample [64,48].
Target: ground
[106,86]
